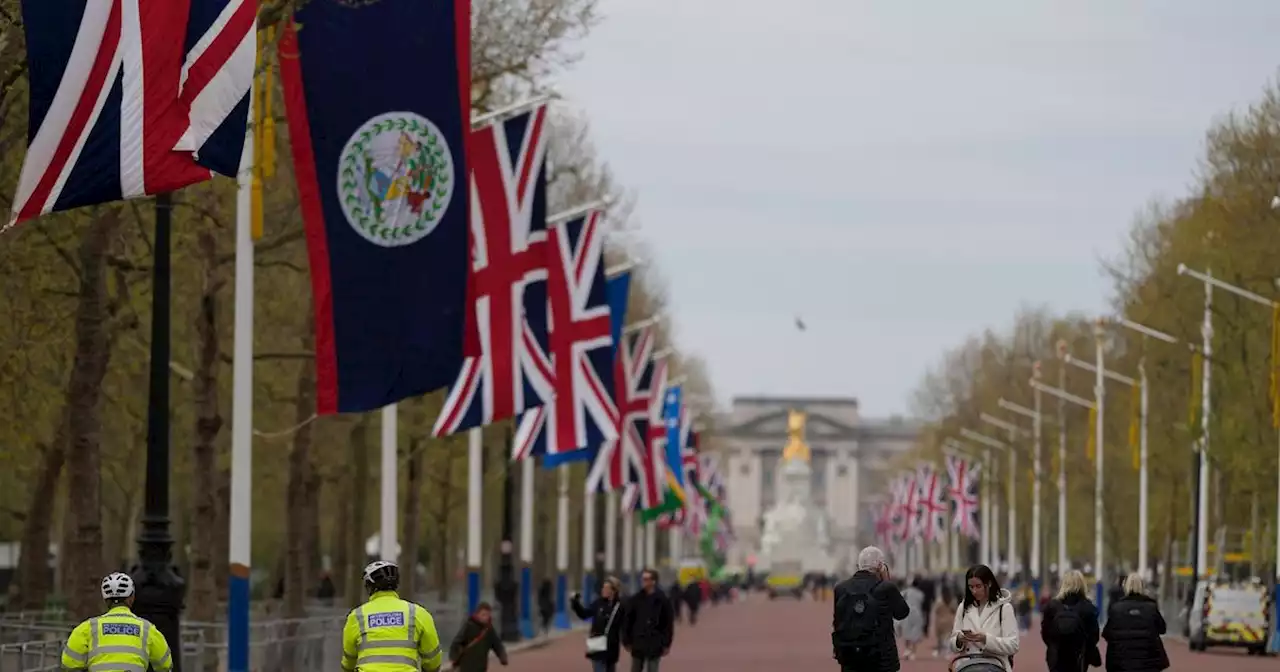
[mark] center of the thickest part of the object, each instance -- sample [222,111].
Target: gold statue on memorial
[796,448]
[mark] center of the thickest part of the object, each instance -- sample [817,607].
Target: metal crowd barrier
[32,641]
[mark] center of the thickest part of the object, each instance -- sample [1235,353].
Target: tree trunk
[298,521]
[441,558]
[32,580]
[298,505]
[412,523]
[222,542]
[203,596]
[315,550]
[84,397]
[357,537]
[339,543]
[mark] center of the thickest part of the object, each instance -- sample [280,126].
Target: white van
[1230,614]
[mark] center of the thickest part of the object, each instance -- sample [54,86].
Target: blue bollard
[473,589]
[562,602]
[526,603]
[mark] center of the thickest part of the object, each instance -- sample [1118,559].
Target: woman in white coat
[985,635]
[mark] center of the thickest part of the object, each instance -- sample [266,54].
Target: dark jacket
[893,608]
[598,613]
[1133,630]
[648,624]
[471,646]
[1071,656]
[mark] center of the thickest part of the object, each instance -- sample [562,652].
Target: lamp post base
[160,591]
[506,590]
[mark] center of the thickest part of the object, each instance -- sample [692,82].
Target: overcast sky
[901,173]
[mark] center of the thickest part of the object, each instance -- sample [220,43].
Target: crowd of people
[879,621]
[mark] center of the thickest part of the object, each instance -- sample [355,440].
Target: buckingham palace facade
[851,458]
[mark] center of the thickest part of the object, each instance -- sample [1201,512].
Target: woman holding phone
[985,634]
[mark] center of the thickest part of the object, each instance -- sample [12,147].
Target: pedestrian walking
[546,605]
[648,625]
[1069,627]
[605,612]
[944,618]
[913,626]
[985,633]
[866,606]
[1133,630]
[475,640]
[692,597]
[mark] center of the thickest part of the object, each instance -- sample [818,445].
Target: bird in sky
[800,323]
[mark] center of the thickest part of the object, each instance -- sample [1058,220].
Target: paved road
[789,636]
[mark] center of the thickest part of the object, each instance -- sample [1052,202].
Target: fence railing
[33,641]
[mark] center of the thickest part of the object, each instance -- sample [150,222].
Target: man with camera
[866,605]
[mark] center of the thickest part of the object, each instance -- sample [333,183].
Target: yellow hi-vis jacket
[117,641]
[388,634]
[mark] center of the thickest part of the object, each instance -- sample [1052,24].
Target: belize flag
[378,103]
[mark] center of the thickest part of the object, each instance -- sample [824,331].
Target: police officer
[388,634]
[117,640]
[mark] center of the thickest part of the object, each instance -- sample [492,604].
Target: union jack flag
[963,475]
[506,371]
[582,412]
[709,471]
[653,476]
[905,496]
[932,504]
[106,114]
[884,514]
[221,54]
[621,461]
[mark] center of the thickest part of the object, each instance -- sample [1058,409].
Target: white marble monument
[795,528]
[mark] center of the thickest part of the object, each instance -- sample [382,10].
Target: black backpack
[856,638]
[1066,623]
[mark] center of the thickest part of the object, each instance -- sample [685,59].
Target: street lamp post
[1037,419]
[992,519]
[1142,479]
[160,589]
[1144,487]
[1100,395]
[1209,283]
[1202,464]
[1063,397]
[1014,432]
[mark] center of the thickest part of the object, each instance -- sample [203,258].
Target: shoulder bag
[600,643]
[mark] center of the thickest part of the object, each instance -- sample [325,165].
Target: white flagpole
[651,544]
[628,545]
[475,519]
[526,548]
[588,545]
[388,548]
[241,533]
[562,551]
[611,532]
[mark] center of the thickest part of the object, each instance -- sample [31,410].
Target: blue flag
[378,107]
[617,289]
[675,444]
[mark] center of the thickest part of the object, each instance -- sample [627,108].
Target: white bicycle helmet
[117,586]
[381,575]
